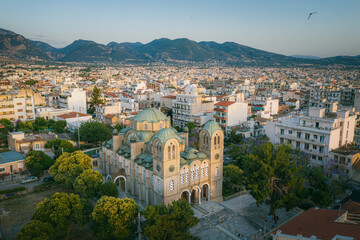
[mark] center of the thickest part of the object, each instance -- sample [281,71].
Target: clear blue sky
[279,26]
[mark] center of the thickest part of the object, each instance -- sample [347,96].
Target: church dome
[150,115]
[211,127]
[145,135]
[201,155]
[166,134]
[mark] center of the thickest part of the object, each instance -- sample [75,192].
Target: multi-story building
[347,97]
[21,142]
[343,158]
[228,114]
[74,100]
[154,162]
[102,110]
[191,107]
[316,133]
[20,105]
[74,119]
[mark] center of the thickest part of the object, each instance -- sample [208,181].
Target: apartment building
[103,110]
[74,100]
[74,119]
[316,133]
[344,158]
[21,142]
[228,114]
[271,84]
[265,107]
[191,107]
[20,105]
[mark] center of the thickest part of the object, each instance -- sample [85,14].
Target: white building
[74,100]
[74,119]
[101,111]
[229,114]
[317,133]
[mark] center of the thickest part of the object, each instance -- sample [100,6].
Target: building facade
[153,162]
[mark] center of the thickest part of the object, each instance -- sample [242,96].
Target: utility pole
[78,137]
[139,226]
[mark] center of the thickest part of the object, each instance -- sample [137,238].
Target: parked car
[48,179]
[29,180]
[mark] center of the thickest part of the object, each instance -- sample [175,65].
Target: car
[49,179]
[29,180]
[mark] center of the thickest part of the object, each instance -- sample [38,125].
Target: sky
[279,26]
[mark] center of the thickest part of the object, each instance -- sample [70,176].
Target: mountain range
[15,46]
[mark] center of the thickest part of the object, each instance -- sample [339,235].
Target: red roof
[172,97]
[72,115]
[320,223]
[224,103]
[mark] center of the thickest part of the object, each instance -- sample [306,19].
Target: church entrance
[195,196]
[185,195]
[205,192]
[120,182]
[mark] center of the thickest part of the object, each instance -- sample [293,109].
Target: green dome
[166,134]
[150,115]
[211,127]
[190,155]
[115,132]
[201,155]
[145,135]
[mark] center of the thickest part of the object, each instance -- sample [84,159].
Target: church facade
[153,162]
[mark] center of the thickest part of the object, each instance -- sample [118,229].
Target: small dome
[211,127]
[145,135]
[166,134]
[201,155]
[115,132]
[150,115]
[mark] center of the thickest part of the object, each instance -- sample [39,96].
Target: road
[9,184]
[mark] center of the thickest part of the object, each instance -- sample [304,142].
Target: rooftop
[224,103]
[11,156]
[73,115]
[347,149]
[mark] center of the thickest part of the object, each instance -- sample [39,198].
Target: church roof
[150,115]
[145,135]
[211,127]
[166,134]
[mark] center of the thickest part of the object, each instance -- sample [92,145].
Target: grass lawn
[20,209]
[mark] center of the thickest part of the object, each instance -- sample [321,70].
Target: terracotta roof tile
[72,115]
[224,103]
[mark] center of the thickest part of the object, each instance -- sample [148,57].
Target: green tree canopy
[40,123]
[25,126]
[233,177]
[88,183]
[61,210]
[69,166]
[38,160]
[96,98]
[93,132]
[169,222]
[59,126]
[36,230]
[59,146]
[108,188]
[271,174]
[114,218]
[7,124]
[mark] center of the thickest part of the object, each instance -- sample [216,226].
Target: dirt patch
[19,210]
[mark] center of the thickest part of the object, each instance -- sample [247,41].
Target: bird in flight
[311,14]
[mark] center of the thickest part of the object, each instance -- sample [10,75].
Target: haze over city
[276,26]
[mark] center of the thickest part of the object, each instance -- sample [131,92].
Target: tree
[169,222]
[38,161]
[271,174]
[36,230]
[61,210]
[7,124]
[40,123]
[191,126]
[323,187]
[233,177]
[59,146]
[24,126]
[118,126]
[96,99]
[114,218]
[59,126]
[88,183]
[93,132]
[69,166]
[108,188]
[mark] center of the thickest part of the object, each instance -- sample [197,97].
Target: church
[153,162]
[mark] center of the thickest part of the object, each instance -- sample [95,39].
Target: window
[289,141]
[281,140]
[95,163]
[216,171]
[282,131]
[182,178]
[348,124]
[290,132]
[313,157]
[320,158]
[306,146]
[37,146]
[307,136]
[169,152]
[315,137]
[206,171]
[172,185]
[19,110]
[145,127]
[192,174]
[137,172]
[144,175]
[202,172]
[314,147]
[152,180]
[173,151]
[187,176]
[298,134]
[2,169]
[317,124]
[321,149]
[298,145]
[197,173]
[322,139]
[159,186]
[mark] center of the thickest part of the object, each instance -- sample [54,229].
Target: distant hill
[306,56]
[15,46]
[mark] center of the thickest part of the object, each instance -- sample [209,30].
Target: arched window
[196,172]
[144,175]
[187,176]
[169,152]
[173,151]
[206,170]
[216,171]
[218,141]
[182,177]
[172,185]
[159,186]
[152,180]
[215,142]
[145,127]
[124,163]
[202,172]
[192,174]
